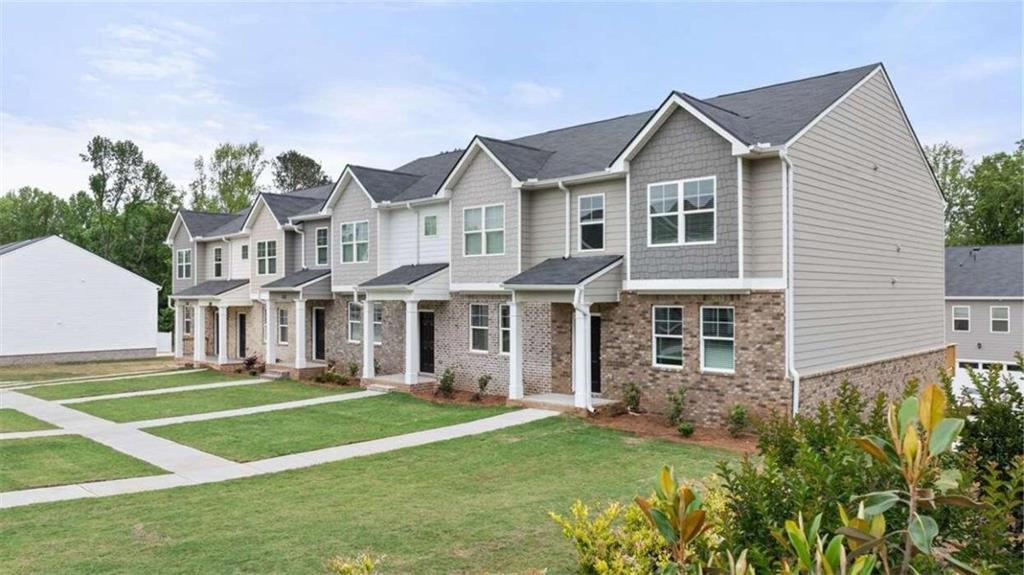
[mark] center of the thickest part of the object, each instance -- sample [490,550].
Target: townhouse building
[757,248]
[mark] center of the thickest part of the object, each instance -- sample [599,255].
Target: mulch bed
[654,425]
[460,398]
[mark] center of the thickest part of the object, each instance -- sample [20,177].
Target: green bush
[736,422]
[446,385]
[616,541]
[685,428]
[481,386]
[363,564]
[632,397]
[676,399]
[994,430]
[353,369]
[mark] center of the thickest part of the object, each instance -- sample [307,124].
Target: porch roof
[567,272]
[210,288]
[403,276]
[297,280]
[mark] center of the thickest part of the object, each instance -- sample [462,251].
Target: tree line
[128,205]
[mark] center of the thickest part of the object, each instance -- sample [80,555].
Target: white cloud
[532,95]
[41,155]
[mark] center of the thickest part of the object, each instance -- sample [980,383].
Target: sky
[382,84]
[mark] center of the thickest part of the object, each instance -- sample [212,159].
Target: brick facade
[389,355]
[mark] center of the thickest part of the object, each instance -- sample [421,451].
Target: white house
[60,302]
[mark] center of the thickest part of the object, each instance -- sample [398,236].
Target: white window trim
[355,243]
[326,246]
[486,329]
[992,319]
[681,213]
[349,321]
[436,226]
[180,266]
[483,230]
[282,340]
[186,320]
[680,337]
[504,332]
[700,318]
[952,320]
[218,261]
[266,258]
[378,305]
[580,223]
[245,251]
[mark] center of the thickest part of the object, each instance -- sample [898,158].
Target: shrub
[332,377]
[676,398]
[685,428]
[446,385]
[481,385]
[616,541]
[736,422]
[249,363]
[363,564]
[994,536]
[376,365]
[994,429]
[632,397]
[353,369]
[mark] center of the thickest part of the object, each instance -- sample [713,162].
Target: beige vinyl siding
[868,238]
[399,232]
[614,216]
[264,227]
[309,244]
[182,242]
[293,261]
[239,267]
[993,346]
[353,206]
[543,226]
[762,216]
[605,288]
[207,269]
[483,184]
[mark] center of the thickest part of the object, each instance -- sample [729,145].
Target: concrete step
[275,374]
[381,387]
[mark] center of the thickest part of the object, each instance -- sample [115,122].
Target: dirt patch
[657,426]
[460,398]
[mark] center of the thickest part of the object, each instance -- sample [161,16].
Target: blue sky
[382,84]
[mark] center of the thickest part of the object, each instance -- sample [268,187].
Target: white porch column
[271,355]
[412,341]
[368,370]
[581,356]
[198,333]
[515,359]
[179,328]
[300,333]
[222,334]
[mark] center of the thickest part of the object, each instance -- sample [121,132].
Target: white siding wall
[434,250]
[58,298]
[398,238]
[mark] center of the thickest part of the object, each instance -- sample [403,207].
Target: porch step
[272,373]
[397,383]
[381,387]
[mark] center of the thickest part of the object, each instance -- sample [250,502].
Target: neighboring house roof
[297,279]
[211,288]
[563,271]
[8,248]
[985,271]
[404,275]
[203,224]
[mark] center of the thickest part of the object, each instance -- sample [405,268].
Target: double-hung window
[245,251]
[591,224]
[355,322]
[430,226]
[266,257]
[667,335]
[718,339]
[218,262]
[505,328]
[999,318]
[479,324]
[483,231]
[184,264]
[186,320]
[961,318]
[282,325]
[322,242]
[378,323]
[681,213]
[355,242]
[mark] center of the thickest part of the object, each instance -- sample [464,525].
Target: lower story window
[506,329]
[667,327]
[718,340]
[378,323]
[479,322]
[282,325]
[355,322]
[186,320]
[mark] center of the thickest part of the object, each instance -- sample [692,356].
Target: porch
[566,403]
[295,335]
[398,382]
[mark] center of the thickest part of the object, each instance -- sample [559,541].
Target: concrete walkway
[217,472]
[93,379]
[161,391]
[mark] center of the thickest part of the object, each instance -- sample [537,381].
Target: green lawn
[275,433]
[203,401]
[14,420]
[470,505]
[69,390]
[44,461]
[37,372]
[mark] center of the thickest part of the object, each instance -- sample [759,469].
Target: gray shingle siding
[684,148]
[182,242]
[483,184]
[353,206]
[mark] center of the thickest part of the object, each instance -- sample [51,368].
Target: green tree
[293,171]
[996,211]
[952,170]
[229,181]
[30,213]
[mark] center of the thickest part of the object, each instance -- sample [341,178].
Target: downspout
[568,219]
[790,336]
[577,300]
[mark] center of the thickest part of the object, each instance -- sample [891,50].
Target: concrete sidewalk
[96,378]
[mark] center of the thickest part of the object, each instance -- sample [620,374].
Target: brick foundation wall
[887,376]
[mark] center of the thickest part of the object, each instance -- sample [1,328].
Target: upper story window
[218,262]
[183,264]
[430,226]
[479,325]
[322,243]
[355,242]
[961,318]
[717,339]
[483,230]
[675,220]
[667,335]
[591,224]
[245,251]
[999,317]
[266,257]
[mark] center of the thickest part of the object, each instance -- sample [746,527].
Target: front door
[241,335]
[595,354]
[427,342]
[319,333]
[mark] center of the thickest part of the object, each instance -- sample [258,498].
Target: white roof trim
[247,224]
[179,220]
[467,157]
[829,109]
[339,187]
[670,105]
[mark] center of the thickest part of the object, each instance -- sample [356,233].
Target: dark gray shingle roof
[204,224]
[211,288]
[404,275]
[985,271]
[563,271]
[523,161]
[383,185]
[8,248]
[284,206]
[297,279]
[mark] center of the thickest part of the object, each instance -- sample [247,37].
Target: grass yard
[44,371]
[470,505]
[204,401]
[45,461]
[69,390]
[14,420]
[275,433]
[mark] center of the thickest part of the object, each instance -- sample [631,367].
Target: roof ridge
[706,103]
[580,125]
[875,65]
[207,213]
[390,171]
[511,143]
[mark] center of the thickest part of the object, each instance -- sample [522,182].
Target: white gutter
[787,215]
[568,211]
[577,300]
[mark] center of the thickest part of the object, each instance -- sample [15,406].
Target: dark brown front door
[426,342]
[241,335]
[319,333]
